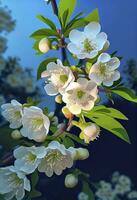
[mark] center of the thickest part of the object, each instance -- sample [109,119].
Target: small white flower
[89,43]
[12,112]
[90,133]
[35,124]
[28,158]
[122,189]
[59,78]
[105,70]
[13,183]
[56,160]
[132,195]
[83,196]
[80,95]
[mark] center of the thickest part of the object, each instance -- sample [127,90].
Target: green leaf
[93,16]
[47,21]
[86,189]
[34,179]
[35,194]
[68,142]
[125,93]
[76,138]
[65,15]
[43,65]
[109,111]
[63,6]
[44,32]
[110,124]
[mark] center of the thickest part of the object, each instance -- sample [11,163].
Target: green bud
[16,134]
[71,181]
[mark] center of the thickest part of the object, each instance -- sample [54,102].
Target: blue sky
[118,20]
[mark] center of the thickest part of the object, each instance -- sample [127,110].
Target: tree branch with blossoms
[45,146]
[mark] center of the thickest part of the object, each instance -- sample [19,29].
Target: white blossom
[132,195]
[58,76]
[13,183]
[35,124]
[71,181]
[80,95]
[12,112]
[105,191]
[90,133]
[123,185]
[105,70]
[83,196]
[28,158]
[56,160]
[89,43]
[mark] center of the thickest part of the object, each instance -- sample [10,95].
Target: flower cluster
[120,187]
[80,93]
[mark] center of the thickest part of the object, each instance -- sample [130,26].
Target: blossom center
[37,122]
[103,69]
[31,157]
[80,94]
[63,78]
[87,45]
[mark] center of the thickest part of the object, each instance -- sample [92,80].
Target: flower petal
[101,40]
[75,109]
[92,29]
[114,63]
[50,89]
[104,57]
[76,36]
[73,48]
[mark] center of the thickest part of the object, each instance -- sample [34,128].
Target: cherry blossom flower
[83,196]
[12,112]
[90,133]
[35,124]
[80,95]
[59,78]
[13,183]
[89,43]
[105,70]
[28,158]
[56,160]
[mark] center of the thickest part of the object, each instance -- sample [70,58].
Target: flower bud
[66,112]
[16,134]
[82,154]
[71,181]
[44,45]
[90,133]
[58,99]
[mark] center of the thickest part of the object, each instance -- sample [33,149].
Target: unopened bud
[66,112]
[44,45]
[16,134]
[58,99]
[71,181]
[82,154]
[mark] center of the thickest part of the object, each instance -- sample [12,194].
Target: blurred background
[18,67]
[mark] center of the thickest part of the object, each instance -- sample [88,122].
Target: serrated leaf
[46,21]
[125,93]
[110,124]
[44,32]
[64,5]
[43,65]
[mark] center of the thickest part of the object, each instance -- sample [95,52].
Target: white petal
[76,36]
[96,78]
[83,82]
[50,89]
[75,109]
[116,76]
[82,55]
[89,106]
[73,48]
[108,83]
[20,194]
[52,66]
[27,184]
[106,45]
[104,57]
[92,29]
[114,63]
[101,40]
[92,54]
